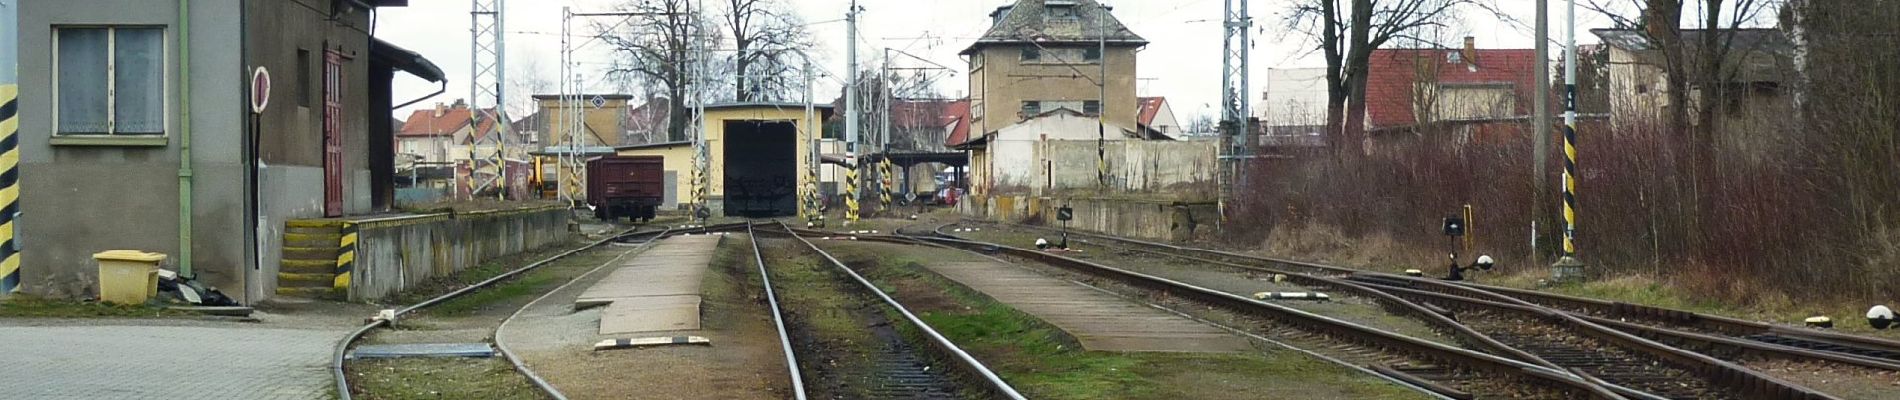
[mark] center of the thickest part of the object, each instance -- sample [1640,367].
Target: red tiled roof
[957,112]
[1150,107]
[1392,73]
[424,123]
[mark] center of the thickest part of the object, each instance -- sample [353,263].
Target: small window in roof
[1060,9]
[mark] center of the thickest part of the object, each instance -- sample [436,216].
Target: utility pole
[488,61]
[813,129]
[1570,267]
[702,155]
[9,145]
[573,121]
[1236,102]
[1101,102]
[1540,143]
[851,115]
[886,97]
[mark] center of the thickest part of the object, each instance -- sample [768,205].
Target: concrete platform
[1101,321]
[656,291]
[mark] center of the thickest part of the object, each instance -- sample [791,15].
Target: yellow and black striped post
[851,194]
[1570,190]
[884,191]
[814,205]
[9,186]
[1569,267]
[345,256]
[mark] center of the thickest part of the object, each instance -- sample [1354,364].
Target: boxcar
[625,187]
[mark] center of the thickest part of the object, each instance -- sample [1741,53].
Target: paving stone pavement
[136,360]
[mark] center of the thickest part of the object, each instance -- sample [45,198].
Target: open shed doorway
[761,169]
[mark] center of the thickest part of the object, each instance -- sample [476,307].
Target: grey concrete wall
[395,254]
[1166,170]
[1146,219]
[78,200]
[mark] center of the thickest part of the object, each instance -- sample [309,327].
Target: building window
[1092,107]
[1061,12]
[303,78]
[1092,54]
[111,81]
[1032,53]
[1031,108]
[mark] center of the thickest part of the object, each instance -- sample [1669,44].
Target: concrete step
[314,223]
[307,266]
[312,253]
[292,239]
[319,230]
[327,293]
[288,279]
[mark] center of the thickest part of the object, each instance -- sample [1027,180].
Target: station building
[137,132]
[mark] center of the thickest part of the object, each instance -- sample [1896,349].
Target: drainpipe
[184,139]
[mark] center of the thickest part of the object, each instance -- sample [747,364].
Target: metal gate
[333,134]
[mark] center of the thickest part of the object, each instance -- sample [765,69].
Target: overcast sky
[1182,62]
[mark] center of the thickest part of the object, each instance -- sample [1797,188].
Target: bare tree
[1347,32]
[1716,57]
[762,31]
[659,50]
[530,79]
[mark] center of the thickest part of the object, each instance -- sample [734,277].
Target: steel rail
[1724,344]
[515,360]
[962,359]
[1747,382]
[1612,309]
[340,352]
[1436,318]
[778,318]
[1329,326]
[1397,380]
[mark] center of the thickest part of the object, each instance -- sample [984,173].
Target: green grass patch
[439,378]
[29,306]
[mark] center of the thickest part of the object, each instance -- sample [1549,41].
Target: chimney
[1471,50]
[461,104]
[440,109]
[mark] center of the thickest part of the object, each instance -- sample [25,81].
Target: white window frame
[112,84]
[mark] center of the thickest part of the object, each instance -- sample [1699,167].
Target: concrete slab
[479,350]
[651,314]
[1102,322]
[656,291]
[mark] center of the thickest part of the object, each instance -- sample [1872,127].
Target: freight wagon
[626,186]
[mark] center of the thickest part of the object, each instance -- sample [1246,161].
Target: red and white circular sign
[260,90]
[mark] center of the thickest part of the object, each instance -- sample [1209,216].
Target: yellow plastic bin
[128,276]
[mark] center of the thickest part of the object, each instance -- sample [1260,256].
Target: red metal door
[333,134]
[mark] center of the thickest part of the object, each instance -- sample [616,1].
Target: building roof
[1392,74]
[1150,108]
[1043,21]
[958,112]
[1768,53]
[425,122]
[405,60]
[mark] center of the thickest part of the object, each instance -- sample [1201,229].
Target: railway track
[1864,348]
[338,368]
[897,366]
[1488,308]
[1443,370]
